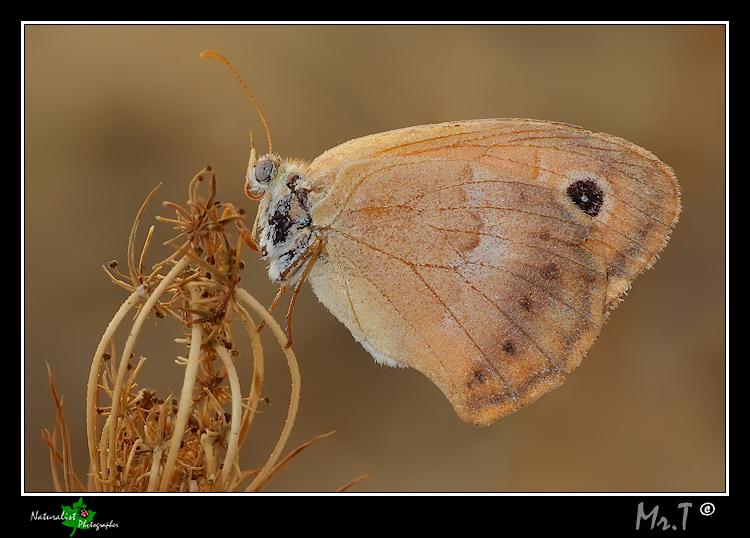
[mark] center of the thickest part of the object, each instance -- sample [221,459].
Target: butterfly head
[261,175]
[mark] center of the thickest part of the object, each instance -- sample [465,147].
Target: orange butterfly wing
[485,253]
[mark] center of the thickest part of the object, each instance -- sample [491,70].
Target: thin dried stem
[186,397]
[66,456]
[135,270]
[258,372]
[350,484]
[296,386]
[230,459]
[259,484]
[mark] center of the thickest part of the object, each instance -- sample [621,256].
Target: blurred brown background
[110,111]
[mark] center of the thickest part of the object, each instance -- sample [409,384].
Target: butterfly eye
[264,171]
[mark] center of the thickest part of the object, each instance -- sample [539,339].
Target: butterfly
[485,253]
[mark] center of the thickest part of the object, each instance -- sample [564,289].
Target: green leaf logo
[78,516]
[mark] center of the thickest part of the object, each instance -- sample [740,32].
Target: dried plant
[139,442]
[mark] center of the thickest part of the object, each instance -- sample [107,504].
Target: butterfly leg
[311,254]
[221,310]
[247,236]
[308,259]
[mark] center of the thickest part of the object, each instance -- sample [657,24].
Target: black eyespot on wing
[587,196]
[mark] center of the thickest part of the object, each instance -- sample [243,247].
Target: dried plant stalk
[139,442]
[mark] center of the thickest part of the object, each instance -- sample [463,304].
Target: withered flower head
[140,442]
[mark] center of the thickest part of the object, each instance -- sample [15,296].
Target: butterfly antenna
[214,54]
